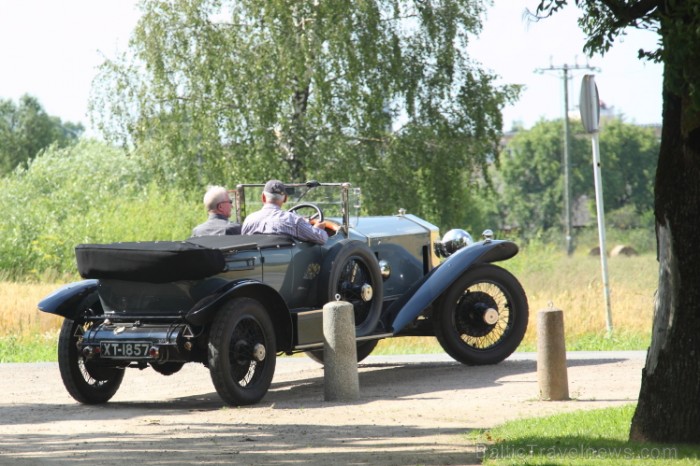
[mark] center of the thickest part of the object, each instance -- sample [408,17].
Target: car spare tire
[351,272]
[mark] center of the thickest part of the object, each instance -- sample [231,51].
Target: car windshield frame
[339,202]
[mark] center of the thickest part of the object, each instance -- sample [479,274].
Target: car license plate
[124,349]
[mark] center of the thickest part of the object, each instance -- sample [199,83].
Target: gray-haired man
[218,203]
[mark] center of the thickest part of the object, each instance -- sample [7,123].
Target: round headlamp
[456,239]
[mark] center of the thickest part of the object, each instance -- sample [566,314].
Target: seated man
[218,204]
[272,219]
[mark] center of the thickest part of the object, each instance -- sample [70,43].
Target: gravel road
[412,410]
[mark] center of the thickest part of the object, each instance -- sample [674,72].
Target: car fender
[437,281]
[204,311]
[70,300]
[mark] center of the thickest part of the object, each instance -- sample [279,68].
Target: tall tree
[531,171]
[531,168]
[26,128]
[667,410]
[233,91]
[629,156]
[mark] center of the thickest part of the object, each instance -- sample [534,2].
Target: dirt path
[412,410]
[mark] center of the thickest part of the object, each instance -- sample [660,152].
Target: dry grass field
[19,315]
[572,284]
[575,285]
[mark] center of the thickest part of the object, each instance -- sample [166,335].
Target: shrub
[87,193]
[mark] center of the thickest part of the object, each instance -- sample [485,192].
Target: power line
[565,69]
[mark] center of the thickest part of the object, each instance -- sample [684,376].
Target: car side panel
[403,256]
[293,273]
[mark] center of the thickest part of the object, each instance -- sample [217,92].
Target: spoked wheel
[351,272]
[482,317]
[87,381]
[364,349]
[242,352]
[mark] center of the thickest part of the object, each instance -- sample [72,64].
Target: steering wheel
[318,215]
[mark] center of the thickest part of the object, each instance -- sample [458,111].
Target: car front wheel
[482,318]
[242,352]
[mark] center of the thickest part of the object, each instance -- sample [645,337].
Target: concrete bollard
[340,379]
[551,355]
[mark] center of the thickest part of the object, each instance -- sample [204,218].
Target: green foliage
[86,193]
[643,240]
[26,129]
[627,218]
[531,170]
[628,164]
[532,175]
[620,340]
[379,93]
[33,347]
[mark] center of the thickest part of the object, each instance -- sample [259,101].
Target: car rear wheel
[482,317]
[242,352]
[351,272]
[86,380]
[364,349]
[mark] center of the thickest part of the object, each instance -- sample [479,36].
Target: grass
[30,348]
[572,284]
[26,335]
[579,438]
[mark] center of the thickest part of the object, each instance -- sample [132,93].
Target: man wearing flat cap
[272,219]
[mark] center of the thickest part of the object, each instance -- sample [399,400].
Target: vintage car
[233,303]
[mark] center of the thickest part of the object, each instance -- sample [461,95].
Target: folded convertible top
[151,261]
[167,261]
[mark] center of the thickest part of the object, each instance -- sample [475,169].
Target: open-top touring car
[233,303]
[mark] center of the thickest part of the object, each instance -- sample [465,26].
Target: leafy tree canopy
[89,192]
[26,129]
[531,171]
[380,93]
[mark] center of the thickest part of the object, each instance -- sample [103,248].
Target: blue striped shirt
[271,219]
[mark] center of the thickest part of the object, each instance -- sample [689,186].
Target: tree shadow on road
[199,428]
[378,381]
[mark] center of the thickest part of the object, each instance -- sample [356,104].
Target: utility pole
[564,69]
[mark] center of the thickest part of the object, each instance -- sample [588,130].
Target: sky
[515,49]
[51,50]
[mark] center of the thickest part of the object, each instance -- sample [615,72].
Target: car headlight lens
[454,240]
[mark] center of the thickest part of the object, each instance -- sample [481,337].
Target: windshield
[327,196]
